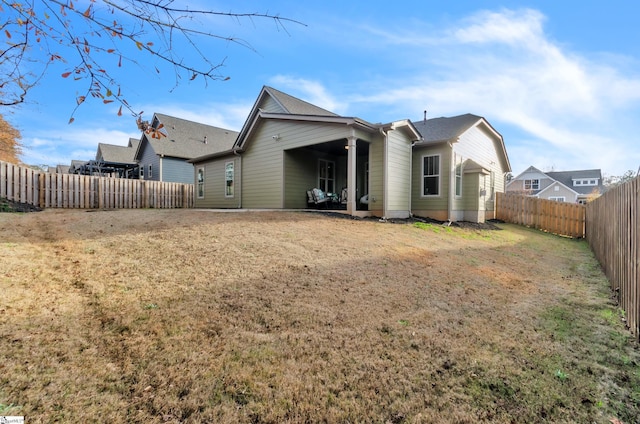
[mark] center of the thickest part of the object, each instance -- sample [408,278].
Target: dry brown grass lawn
[195,316]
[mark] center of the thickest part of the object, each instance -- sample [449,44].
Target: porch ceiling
[337,147]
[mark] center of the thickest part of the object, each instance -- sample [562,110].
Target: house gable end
[548,191]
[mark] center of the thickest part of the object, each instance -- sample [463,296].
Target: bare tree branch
[104,31]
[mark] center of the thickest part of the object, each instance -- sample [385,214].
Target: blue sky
[559,80]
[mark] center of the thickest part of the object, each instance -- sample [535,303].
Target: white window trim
[439,175]
[558,198]
[457,166]
[327,161]
[232,163]
[150,172]
[524,183]
[198,182]
[591,182]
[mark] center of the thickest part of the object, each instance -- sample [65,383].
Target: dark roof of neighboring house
[567,177]
[187,139]
[116,154]
[75,164]
[445,129]
[296,106]
[133,143]
[62,169]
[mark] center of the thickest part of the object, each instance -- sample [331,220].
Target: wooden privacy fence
[613,234]
[45,190]
[565,219]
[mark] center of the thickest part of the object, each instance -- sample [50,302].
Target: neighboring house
[116,161]
[62,169]
[568,186]
[288,146]
[165,157]
[76,165]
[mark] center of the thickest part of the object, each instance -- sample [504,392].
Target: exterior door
[326,175]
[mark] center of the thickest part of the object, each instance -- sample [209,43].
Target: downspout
[160,170]
[451,185]
[235,152]
[411,178]
[385,152]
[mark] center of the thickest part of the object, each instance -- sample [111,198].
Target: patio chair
[343,196]
[318,198]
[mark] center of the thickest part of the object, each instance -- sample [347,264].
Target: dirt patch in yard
[195,316]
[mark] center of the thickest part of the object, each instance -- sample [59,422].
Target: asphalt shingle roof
[296,106]
[116,154]
[567,177]
[444,129]
[186,139]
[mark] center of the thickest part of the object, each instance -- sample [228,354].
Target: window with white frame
[431,175]
[557,198]
[458,174]
[585,182]
[150,172]
[229,179]
[200,181]
[141,169]
[326,175]
[532,184]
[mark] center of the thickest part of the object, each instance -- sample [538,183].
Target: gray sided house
[165,157]
[567,186]
[288,146]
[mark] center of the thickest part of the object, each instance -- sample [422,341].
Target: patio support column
[351,175]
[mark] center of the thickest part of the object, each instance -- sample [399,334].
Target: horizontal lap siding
[176,170]
[263,161]
[149,157]
[215,183]
[300,175]
[563,191]
[399,179]
[436,203]
[484,149]
[376,174]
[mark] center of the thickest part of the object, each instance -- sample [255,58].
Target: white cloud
[504,27]
[504,66]
[310,91]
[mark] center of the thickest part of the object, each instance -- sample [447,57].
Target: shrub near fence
[46,190]
[614,236]
[565,219]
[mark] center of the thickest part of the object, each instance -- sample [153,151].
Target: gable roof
[115,154]
[567,177]
[133,143]
[554,184]
[294,109]
[187,139]
[443,129]
[293,105]
[447,129]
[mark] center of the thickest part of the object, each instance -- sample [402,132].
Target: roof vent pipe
[425,116]
[205,139]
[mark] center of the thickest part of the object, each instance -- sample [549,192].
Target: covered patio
[338,167]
